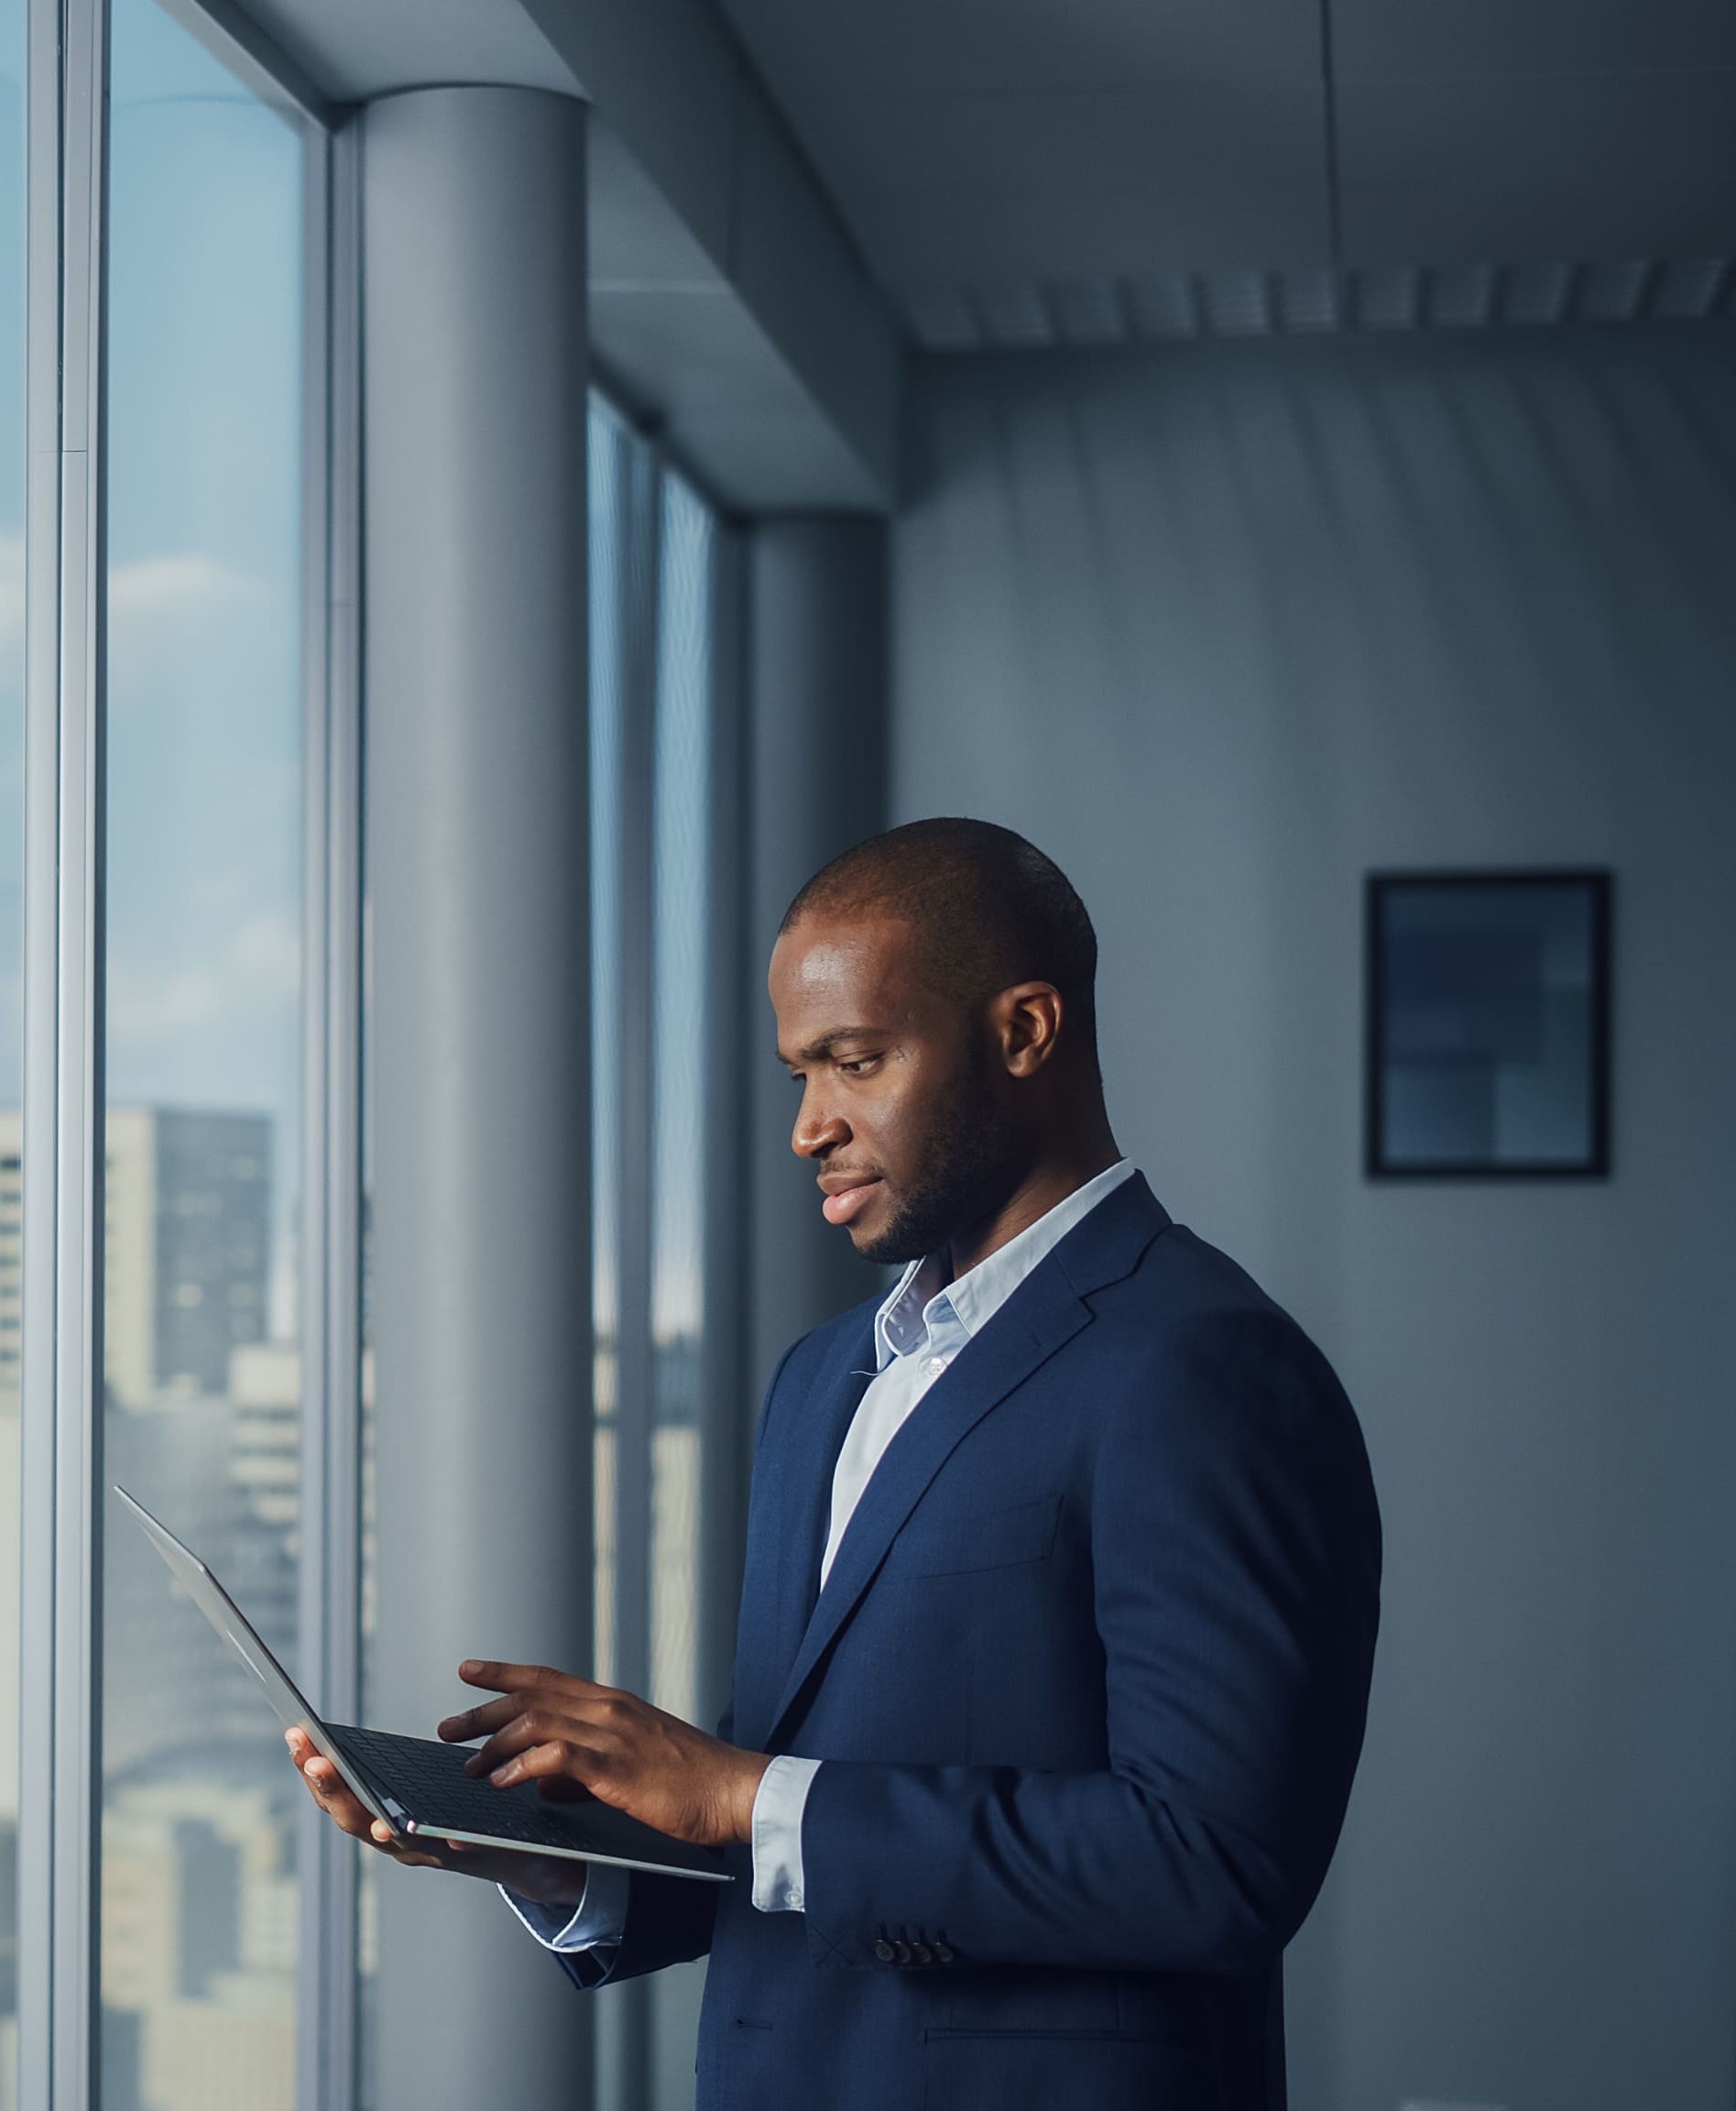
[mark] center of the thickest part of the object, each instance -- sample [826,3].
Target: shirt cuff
[777,1804]
[600,1921]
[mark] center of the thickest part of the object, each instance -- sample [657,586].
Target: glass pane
[608,445]
[199,1927]
[680,851]
[11,948]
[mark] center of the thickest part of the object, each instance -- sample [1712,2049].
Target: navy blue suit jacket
[1088,1678]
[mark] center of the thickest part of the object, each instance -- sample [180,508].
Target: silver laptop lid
[232,1624]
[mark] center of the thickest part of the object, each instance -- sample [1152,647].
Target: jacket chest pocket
[985,1539]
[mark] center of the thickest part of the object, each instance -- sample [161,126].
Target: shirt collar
[920,1302]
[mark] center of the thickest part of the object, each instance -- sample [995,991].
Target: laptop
[419,1785]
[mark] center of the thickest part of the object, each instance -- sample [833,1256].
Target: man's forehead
[830,980]
[821,957]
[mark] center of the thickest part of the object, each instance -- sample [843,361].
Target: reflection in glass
[680,849]
[199,1904]
[608,446]
[11,948]
[651,769]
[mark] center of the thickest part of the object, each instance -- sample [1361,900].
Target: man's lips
[842,1202]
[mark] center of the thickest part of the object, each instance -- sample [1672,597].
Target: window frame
[62,1482]
[61,1398]
[635,2017]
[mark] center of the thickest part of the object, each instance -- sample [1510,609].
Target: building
[188,1211]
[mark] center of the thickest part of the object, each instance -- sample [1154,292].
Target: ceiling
[1049,170]
[352,52]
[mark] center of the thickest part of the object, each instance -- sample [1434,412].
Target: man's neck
[1048,1183]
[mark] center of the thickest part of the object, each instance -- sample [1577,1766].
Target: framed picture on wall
[1487,1025]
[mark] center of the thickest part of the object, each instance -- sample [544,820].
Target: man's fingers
[533,1726]
[347,1812]
[496,1677]
[557,1757]
[475,1722]
[330,1792]
[502,1678]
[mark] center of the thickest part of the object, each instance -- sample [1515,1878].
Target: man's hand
[551,1727]
[552,1879]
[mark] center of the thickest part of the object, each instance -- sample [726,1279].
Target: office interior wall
[1221,628]
[815,749]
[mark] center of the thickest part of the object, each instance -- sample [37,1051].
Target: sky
[11,534]
[204,668]
[205,675]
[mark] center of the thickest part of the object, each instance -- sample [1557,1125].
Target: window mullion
[331,1176]
[638,577]
[62,1155]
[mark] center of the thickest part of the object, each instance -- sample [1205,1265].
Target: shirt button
[795,1901]
[902,1951]
[942,1953]
[934,1367]
[922,1952]
[883,1950]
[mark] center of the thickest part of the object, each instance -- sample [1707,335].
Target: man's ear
[1028,1022]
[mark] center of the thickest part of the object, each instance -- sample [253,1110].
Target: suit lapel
[792,1494]
[1046,1310]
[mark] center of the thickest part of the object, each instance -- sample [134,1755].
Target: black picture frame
[1487,1007]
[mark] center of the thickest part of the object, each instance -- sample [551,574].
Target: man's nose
[817,1129]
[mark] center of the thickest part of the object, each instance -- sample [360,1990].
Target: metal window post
[61,1407]
[733,1000]
[331,1170]
[624,2016]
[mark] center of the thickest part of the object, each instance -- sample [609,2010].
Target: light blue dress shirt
[919,1329]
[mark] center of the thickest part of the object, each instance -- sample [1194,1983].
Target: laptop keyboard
[429,1780]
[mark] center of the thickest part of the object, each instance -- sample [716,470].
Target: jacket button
[883,1950]
[943,1952]
[901,1951]
[922,1952]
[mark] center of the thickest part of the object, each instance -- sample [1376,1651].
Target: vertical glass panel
[367,1870]
[11,949]
[199,1905]
[680,854]
[652,567]
[607,649]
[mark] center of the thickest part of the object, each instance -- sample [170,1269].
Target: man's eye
[857,1065]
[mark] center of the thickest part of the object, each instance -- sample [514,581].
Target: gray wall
[815,591]
[1222,628]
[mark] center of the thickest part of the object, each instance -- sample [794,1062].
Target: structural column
[816,617]
[474,397]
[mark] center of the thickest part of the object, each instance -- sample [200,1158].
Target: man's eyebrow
[826,1043]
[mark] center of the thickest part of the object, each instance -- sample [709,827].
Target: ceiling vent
[1165,307]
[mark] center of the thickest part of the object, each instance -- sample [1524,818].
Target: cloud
[267,957]
[155,1008]
[172,584]
[12,602]
[151,591]
[260,969]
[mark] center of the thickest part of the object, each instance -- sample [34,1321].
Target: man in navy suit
[1061,1592]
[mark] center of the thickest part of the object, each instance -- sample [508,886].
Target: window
[11,935]
[201,1368]
[664,1022]
[228,947]
[681,789]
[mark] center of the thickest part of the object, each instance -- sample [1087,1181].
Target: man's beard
[974,1157]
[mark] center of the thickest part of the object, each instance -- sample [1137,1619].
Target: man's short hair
[988,909]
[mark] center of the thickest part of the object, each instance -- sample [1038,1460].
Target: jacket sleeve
[667,1920]
[1236,1555]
